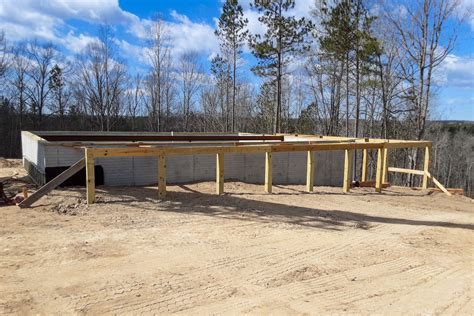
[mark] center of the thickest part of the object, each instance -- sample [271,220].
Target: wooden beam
[365,164]
[90,176]
[378,176]
[426,166]
[325,146]
[196,150]
[385,166]
[310,172]
[268,172]
[137,138]
[438,184]
[349,157]
[456,191]
[403,170]
[407,144]
[161,176]
[48,187]
[219,174]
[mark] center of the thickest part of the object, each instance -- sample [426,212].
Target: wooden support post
[310,172]
[219,173]
[365,164]
[426,167]
[379,176]
[349,158]
[161,176]
[438,184]
[90,176]
[268,172]
[51,185]
[385,166]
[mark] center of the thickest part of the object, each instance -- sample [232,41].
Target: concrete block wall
[33,151]
[288,168]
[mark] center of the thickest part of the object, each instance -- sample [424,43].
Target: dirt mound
[10,163]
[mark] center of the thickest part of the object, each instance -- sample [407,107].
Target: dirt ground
[402,251]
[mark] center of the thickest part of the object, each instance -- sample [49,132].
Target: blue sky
[71,24]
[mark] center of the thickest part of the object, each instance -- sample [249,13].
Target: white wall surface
[288,168]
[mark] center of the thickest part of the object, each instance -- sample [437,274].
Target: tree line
[348,70]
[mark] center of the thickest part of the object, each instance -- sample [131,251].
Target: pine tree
[265,106]
[285,37]
[232,34]
[220,71]
[56,84]
[348,40]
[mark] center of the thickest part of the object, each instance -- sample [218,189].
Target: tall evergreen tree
[284,38]
[348,39]
[60,96]
[232,34]
[220,71]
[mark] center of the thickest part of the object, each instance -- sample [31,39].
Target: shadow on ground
[233,206]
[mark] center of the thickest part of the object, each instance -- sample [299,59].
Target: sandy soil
[244,252]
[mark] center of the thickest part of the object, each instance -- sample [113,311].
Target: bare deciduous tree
[101,79]
[158,55]
[3,54]
[424,46]
[18,81]
[135,99]
[190,81]
[42,58]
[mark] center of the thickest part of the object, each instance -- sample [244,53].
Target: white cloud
[302,9]
[76,43]
[469,101]
[191,36]
[456,71]
[45,20]
[86,10]
[133,52]
[465,11]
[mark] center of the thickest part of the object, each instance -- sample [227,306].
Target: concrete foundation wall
[288,168]
[33,151]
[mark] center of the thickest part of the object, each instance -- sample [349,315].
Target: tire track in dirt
[326,290]
[218,285]
[405,265]
[288,261]
[422,289]
[189,290]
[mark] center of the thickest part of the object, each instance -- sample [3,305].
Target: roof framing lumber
[132,138]
[196,150]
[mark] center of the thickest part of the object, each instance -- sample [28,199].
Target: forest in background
[348,71]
